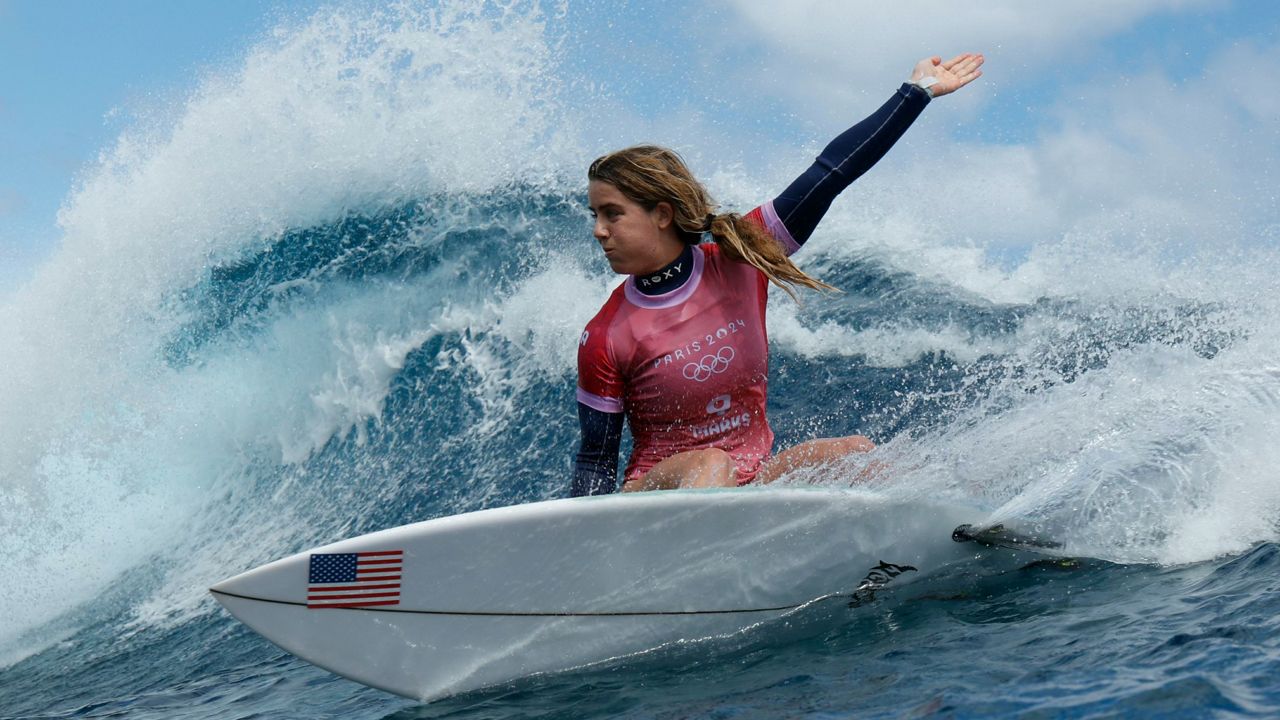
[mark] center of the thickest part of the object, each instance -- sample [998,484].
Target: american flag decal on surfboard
[355,580]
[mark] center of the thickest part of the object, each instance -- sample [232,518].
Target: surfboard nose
[283,581]
[229,585]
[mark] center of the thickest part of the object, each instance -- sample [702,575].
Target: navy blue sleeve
[807,199]
[595,469]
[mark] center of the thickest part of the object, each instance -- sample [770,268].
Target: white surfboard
[464,602]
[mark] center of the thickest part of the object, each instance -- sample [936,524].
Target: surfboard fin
[1000,536]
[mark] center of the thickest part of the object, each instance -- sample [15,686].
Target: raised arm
[853,152]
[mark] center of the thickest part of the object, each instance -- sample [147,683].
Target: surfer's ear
[664,215]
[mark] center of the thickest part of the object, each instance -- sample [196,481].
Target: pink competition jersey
[690,367]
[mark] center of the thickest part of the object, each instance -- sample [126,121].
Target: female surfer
[680,347]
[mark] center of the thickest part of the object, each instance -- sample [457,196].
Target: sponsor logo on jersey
[719,427]
[719,405]
[659,277]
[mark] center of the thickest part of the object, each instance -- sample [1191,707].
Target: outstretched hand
[952,74]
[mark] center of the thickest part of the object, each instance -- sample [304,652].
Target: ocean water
[338,288]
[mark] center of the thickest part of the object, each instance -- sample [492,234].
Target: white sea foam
[1160,456]
[882,346]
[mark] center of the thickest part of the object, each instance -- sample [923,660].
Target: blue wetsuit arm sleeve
[595,469]
[845,159]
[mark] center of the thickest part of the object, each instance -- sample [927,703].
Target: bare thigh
[814,452]
[711,467]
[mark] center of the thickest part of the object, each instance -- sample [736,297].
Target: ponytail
[745,241]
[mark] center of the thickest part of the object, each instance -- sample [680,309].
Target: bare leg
[813,452]
[711,467]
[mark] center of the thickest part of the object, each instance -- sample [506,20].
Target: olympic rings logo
[709,365]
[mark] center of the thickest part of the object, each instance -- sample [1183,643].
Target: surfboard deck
[478,599]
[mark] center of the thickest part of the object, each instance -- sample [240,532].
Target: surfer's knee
[710,467]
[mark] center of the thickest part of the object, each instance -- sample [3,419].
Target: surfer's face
[635,240]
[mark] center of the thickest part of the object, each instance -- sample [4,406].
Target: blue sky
[1108,79]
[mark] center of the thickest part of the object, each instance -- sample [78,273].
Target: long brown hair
[648,175]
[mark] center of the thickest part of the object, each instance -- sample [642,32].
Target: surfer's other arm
[595,469]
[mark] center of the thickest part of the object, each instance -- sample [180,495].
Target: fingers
[965,67]
[961,63]
[968,69]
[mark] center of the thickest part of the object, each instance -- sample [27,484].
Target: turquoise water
[266,330]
